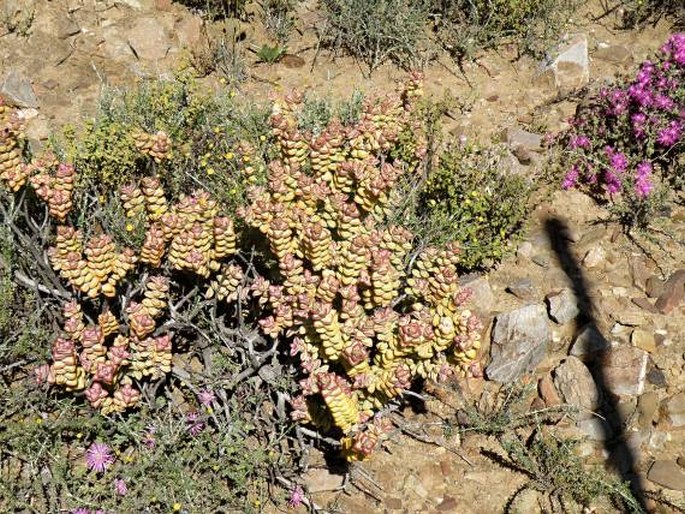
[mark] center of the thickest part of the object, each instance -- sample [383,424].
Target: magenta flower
[120,486]
[571,178]
[643,186]
[206,397]
[194,426]
[671,134]
[99,457]
[296,497]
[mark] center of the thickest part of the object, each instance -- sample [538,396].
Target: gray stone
[519,343]
[16,88]
[148,38]
[523,289]
[518,138]
[571,66]
[668,474]
[320,479]
[625,370]
[590,341]
[673,410]
[576,385]
[563,306]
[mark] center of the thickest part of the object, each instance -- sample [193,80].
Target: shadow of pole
[615,442]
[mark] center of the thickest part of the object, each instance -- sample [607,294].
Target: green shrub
[465,26]
[278,19]
[377,31]
[637,13]
[470,199]
[209,134]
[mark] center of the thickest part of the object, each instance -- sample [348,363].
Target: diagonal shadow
[615,442]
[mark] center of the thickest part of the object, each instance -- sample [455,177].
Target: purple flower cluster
[629,131]
[99,457]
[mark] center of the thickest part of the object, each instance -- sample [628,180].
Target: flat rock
[596,429]
[320,479]
[17,89]
[673,410]
[563,306]
[576,385]
[644,304]
[523,289]
[625,370]
[673,292]
[519,343]
[668,474]
[518,138]
[589,342]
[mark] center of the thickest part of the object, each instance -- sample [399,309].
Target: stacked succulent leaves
[364,315]
[363,327]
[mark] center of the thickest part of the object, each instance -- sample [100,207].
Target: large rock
[320,479]
[481,299]
[519,343]
[668,474]
[576,385]
[625,370]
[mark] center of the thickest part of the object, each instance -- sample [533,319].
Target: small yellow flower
[176,507]
[79,435]
[262,138]
[39,421]
[231,94]
[246,158]
[129,227]
[210,410]
[222,81]
[228,156]
[210,171]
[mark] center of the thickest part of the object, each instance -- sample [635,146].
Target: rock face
[519,343]
[576,385]
[148,38]
[563,306]
[625,370]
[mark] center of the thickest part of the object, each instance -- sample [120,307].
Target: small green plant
[271,54]
[554,470]
[638,13]
[377,31]
[277,17]
[16,18]
[466,26]
[222,53]
[218,9]
[470,199]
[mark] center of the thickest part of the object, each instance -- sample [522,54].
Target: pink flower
[296,497]
[99,457]
[81,510]
[149,436]
[194,426]
[120,487]
[206,397]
